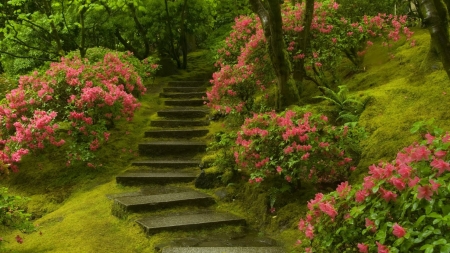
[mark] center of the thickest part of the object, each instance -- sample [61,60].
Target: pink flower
[371,225]
[398,230]
[309,232]
[343,189]
[413,182]
[398,183]
[279,169]
[424,192]
[361,195]
[387,195]
[429,138]
[328,208]
[434,185]
[363,248]
[382,248]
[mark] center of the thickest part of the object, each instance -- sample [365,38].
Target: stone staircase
[171,154]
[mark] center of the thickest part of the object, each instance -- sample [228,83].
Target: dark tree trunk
[304,41]
[269,12]
[172,49]
[437,24]
[183,39]
[142,31]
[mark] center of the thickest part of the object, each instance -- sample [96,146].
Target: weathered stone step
[223,250]
[184,89]
[185,102]
[178,123]
[171,147]
[143,177]
[176,133]
[157,224]
[184,112]
[187,83]
[183,95]
[168,163]
[154,202]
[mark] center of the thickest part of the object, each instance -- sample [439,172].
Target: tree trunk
[269,12]
[304,41]
[183,39]
[142,31]
[172,49]
[437,24]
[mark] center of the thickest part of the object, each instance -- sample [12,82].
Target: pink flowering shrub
[74,95]
[296,146]
[401,206]
[244,69]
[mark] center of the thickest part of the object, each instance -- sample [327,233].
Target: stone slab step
[187,83]
[183,113]
[176,133]
[171,147]
[154,202]
[184,89]
[143,177]
[168,163]
[185,102]
[157,224]
[178,123]
[183,95]
[223,250]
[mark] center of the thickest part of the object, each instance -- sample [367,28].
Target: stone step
[176,133]
[157,224]
[184,89]
[185,102]
[187,83]
[223,250]
[149,177]
[155,202]
[183,112]
[168,163]
[171,147]
[178,123]
[183,95]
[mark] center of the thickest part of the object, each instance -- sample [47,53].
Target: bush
[402,206]
[75,95]
[297,146]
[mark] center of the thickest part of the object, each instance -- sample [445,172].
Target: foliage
[223,147]
[12,214]
[81,98]
[401,206]
[296,146]
[348,108]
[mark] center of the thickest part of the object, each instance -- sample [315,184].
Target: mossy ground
[74,214]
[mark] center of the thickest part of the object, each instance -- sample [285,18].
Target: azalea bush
[75,100]
[244,72]
[401,206]
[297,146]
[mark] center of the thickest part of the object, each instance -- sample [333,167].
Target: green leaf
[440,242]
[445,248]
[398,242]
[419,221]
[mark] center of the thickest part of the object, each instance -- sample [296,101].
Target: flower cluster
[295,145]
[401,206]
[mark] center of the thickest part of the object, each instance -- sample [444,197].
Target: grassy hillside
[74,214]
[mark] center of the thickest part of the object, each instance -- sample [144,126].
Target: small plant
[12,214]
[402,206]
[349,109]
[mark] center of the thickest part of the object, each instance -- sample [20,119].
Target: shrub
[297,146]
[402,206]
[75,95]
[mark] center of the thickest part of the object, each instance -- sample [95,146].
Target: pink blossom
[424,192]
[413,182]
[363,248]
[371,225]
[309,231]
[398,230]
[382,248]
[343,189]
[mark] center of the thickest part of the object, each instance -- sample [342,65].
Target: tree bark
[304,41]
[183,39]
[142,31]
[269,12]
[173,50]
[437,24]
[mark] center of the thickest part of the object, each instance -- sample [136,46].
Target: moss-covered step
[176,133]
[155,224]
[160,201]
[183,95]
[184,112]
[151,177]
[184,89]
[171,147]
[168,163]
[178,123]
[187,83]
[185,102]
[223,250]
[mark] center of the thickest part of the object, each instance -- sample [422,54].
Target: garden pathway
[170,157]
